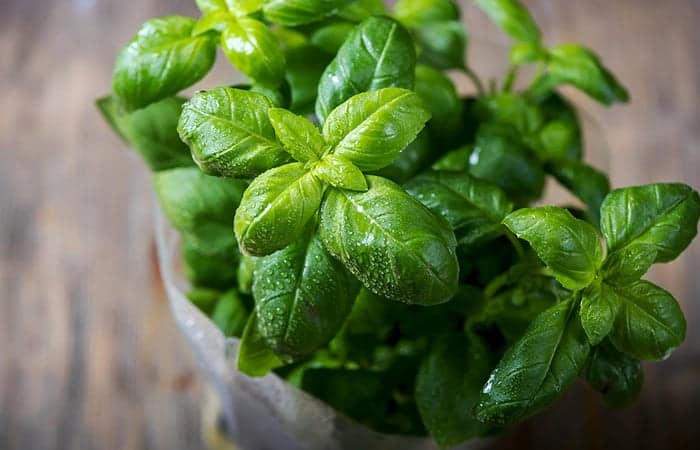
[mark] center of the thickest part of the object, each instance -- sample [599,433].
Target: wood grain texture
[89,356]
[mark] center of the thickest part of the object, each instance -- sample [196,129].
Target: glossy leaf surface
[298,135]
[254,50]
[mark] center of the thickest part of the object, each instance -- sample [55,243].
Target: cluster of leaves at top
[366,230]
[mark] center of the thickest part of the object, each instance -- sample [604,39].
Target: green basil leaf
[456,160]
[663,215]
[370,129]
[230,314]
[229,133]
[359,10]
[244,7]
[199,205]
[557,109]
[615,375]
[280,96]
[215,269]
[216,21]
[378,54]
[298,135]
[331,37]
[580,67]
[151,131]
[510,109]
[303,295]
[275,209]
[650,324]
[599,309]
[440,97]
[292,13]
[305,65]
[211,6]
[537,369]
[416,13]
[246,274]
[587,183]
[415,157]
[340,173]
[161,60]
[526,52]
[254,50]
[502,159]
[447,389]
[394,245]
[442,44]
[255,358]
[628,264]
[568,246]
[513,18]
[474,208]
[204,299]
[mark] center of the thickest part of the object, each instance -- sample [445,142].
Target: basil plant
[367,232]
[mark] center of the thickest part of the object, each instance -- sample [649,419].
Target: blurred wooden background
[89,356]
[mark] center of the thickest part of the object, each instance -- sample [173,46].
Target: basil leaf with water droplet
[650,324]
[370,129]
[394,245]
[513,18]
[628,264]
[211,6]
[303,295]
[161,60]
[615,375]
[537,369]
[568,246]
[229,133]
[292,13]
[255,358]
[663,215]
[378,54]
[275,209]
[298,135]
[474,208]
[340,173]
[599,309]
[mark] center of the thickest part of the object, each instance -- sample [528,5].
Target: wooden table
[89,356]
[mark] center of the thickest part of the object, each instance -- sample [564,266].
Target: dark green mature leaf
[254,50]
[331,37]
[599,309]
[510,109]
[298,12]
[340,173]
[359,10]
[580,67]
[370,129]
[299,136]
[587,183]
[161,60]
[568,246]
[628,264]
[456,160]
[442,44]
[537,369]
[275,209]
[663,215]
[650,324]
[255,358]
[199,205]
[229,133]
[474,208]
[230,314]
[513,18]
[151,131]
[448,386]
[214,269]
[305,65]
[615,375]
[500,158]
[303,295]
[414,158]
[440,97]
[394,245]
[378,54]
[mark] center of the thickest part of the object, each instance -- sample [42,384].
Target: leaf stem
[475,79]
[516,244]
[511,78]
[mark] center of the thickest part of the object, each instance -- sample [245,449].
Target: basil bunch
[366,231]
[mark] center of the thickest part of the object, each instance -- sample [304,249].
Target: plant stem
[516,244]
[475,79]
[511,77]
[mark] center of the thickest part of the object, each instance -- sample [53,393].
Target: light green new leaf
[340,173]
[291,13]
[568,246]
[303,295]
[580,67]
[442,44]
[513,18]
[229,133]
[650,324]
[161,60]
[587,183]
[394,245]
[254,50]
[275,209]
[526,52]
[448,385]
[298,135]
[211,6]
[599,309]
[378,54]
[663,215]
[615,375]
[255,358]
[245,273]
[370,129]
[628,264]
[440,96]
[416,13]
[474,208]
[537,369]
[244,7]
[215,22]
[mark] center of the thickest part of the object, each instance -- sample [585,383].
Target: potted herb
[368,234]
